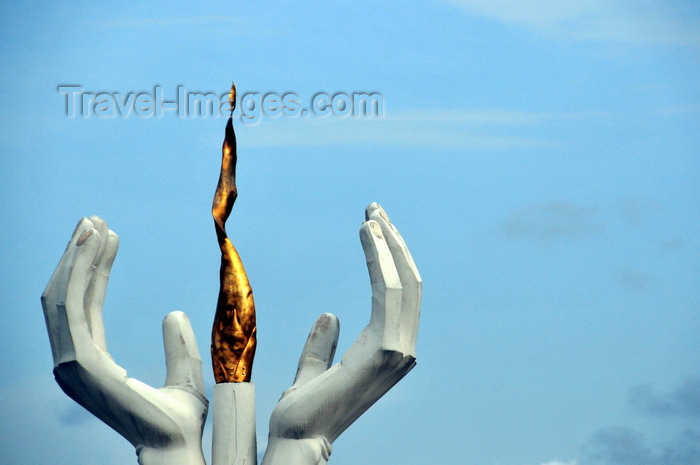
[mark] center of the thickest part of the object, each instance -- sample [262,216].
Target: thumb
[319,349]
[182,360]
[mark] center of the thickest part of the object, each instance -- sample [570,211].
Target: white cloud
[172,21]
[491,129]
[488,116]
[558,462]
[637,21]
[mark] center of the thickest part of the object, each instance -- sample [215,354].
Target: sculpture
[324,401]
[233,334]
[165,425]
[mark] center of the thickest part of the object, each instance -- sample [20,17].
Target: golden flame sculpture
[233,335]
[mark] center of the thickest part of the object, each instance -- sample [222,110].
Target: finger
[95,294]
[182,360]
[374,211]
[411,282]
[319,349]
[386,286]
[101,227]
[74,332]
[57,283]
[99,224]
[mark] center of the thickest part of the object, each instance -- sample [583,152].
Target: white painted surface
[323,400]
[233,441]
[165,425]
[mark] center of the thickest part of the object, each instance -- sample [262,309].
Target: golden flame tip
[232,96]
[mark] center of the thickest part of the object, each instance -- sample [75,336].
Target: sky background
[541,158]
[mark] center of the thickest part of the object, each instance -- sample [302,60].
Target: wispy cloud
[633,210]
[127,22]
[383,133]
[636,21]
[35,416]
[618,445]
[633,279]
[73,414]
[554,220]
[491,129]
[558,462]
[682,400]
[474,116]
[623,446]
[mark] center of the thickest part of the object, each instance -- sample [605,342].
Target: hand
[324,401]
[164,425]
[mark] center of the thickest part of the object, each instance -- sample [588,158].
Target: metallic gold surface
[233,335]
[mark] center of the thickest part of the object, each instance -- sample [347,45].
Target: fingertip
[87,235]
[111,248]
[182,360]
[324,335]
[369,230]
[175,315]
[112,238]
[79,268]
[329,320]
[101,227]
[376,209]
[370,208]
[173,321]
[87,248]
[319,349]
[80,228]
[178,334]
[370,235]
[98,223]
[83,223]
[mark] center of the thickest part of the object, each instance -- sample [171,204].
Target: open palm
[164,425]
[324,401]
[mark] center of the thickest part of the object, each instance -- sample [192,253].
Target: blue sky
[540,158]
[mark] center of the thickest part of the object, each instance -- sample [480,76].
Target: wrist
[306,451]
[178,455]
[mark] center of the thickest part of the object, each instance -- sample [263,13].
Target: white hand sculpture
[324,401]
[164,425]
